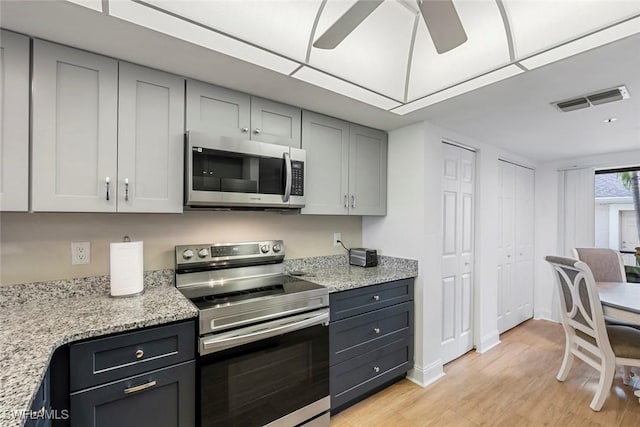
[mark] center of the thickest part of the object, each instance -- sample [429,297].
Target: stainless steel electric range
[263,336]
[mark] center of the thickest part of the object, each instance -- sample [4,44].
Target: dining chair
[586,335]
[605,264]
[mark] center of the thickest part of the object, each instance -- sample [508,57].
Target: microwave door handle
[287,184]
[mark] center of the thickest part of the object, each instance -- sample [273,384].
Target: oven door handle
[259,332]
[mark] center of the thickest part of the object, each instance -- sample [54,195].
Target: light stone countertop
[335,273]
[37,318]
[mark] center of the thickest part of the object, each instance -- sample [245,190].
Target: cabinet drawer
[112,358]
[161,398]
[366,332]
[357,301]
[355,377]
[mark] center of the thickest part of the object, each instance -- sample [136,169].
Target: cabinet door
[217,111]
[150,140]
[162,398]
[14,122]
[74,139]
[326,141]
[367,171]
[275,123]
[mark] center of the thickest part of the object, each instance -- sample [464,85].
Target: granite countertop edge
[35,325]
[332,271]
[335,273]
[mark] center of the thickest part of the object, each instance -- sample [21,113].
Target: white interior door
[628,231]
[458,184]
[515,245]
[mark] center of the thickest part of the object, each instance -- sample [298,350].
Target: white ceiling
[513,114]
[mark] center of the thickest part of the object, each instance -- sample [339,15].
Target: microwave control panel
[297,178]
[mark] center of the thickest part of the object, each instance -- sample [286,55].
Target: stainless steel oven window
[259,382]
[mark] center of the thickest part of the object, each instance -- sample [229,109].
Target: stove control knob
[203,252]
[264,248]
[187,254]
[277,248]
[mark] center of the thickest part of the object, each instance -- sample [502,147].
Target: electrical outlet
[80,253]
[336,237]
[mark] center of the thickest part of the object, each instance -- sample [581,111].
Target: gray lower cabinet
[141,378]
[41,413]
[371,340]
[161,398]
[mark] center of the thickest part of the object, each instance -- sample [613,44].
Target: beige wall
[36,247]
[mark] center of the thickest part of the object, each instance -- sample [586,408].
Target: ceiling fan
[440,16]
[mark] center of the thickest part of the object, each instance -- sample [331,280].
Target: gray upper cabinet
[14,122]
[367,171]
[217,110]
[150,140]
[104,141]
[75,105]
[224,112]
[275,123]
[326,141]
[346,167]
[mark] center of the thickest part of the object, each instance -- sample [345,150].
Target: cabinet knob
[256,131]
[376,369]
[245,130]
[139,354]
[376,297]
[376,330]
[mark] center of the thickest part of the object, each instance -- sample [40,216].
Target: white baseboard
[545,315]
[488,341]
[423,376]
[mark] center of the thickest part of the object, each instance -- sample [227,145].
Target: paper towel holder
[126,269]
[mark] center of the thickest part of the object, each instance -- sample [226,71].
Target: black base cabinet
[370,340]
[161,398]
[144,378]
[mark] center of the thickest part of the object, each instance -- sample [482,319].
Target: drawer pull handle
[376,330]
[376,369]
[139,354]
[376,297]
[139,387]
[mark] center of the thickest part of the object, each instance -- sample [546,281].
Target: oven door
[274,373]
[222,171]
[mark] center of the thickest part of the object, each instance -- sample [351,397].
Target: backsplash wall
[37,247]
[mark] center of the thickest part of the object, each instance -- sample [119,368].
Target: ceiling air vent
[573,104]
[597,98]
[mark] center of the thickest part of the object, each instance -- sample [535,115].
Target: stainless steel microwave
[230,172]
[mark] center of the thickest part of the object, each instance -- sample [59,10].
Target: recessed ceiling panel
[486,49]
[539,25]
[282,26]
[328,82]
[164,23]
[375,55]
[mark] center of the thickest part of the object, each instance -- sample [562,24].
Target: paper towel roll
[126,269]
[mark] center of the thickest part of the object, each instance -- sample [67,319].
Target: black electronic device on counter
[363,257]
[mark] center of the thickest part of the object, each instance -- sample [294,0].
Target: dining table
[621,300]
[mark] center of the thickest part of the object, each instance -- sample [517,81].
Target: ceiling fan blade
[346,23]
[443,24]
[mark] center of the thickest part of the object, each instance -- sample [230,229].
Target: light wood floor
[513,384]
